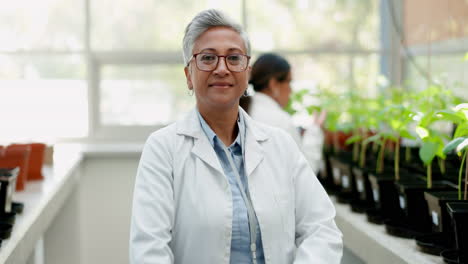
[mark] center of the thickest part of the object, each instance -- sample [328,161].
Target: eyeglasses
[209,61]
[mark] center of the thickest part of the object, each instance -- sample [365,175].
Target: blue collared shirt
[240,242]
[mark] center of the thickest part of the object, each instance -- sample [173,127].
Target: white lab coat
[182,205]
[266,110]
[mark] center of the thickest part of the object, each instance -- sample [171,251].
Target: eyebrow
[229,50]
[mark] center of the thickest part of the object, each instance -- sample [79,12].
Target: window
[450,70]
[148,25]
[112,69]
[47,25]
[143,95]
[43,97]
[436,41]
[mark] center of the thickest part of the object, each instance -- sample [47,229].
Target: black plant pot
[450,256]
[459,213]
[363,185]
[8,178]
[325,175]
[343,177]
[5,230]
[416,220]
[442,237]
[364,201]
[435,243]
[437,205]
[413,202]
[335,171]
[385,198]
[7,218]
[17,207]
[451,173]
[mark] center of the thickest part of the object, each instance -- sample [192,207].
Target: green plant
[392,115]
[431,104]
[364,123]
[459,143]
[357,112]
[295,101]
[334,104]
[398,115]
[337,116]
[432,146]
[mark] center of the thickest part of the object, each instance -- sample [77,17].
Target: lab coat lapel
[202,148]
[254,153]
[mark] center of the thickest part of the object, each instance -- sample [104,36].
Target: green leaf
[440,151]
[422,132]
[463,145]
[427,119]
[453,144]
[353,139]
[406,134]
[461,106]
[427,152]
[466,57]
[391,137]
[395,124]
[448,115]
[461,131]
[313,108]
[374,138]
[462,110]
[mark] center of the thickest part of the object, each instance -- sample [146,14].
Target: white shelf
[372,244]
[42,200]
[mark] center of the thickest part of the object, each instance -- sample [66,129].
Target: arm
[318,239]
[153,205]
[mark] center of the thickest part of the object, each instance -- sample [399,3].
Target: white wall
[105,197]
[62,239]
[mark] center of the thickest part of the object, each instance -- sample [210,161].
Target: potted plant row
[388,158]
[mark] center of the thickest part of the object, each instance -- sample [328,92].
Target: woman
[271,78]
[218,187]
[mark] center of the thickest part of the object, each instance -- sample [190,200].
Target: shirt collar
[212,137]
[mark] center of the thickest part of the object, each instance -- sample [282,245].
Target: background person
[271,80]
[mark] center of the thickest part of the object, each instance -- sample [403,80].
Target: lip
[220,85]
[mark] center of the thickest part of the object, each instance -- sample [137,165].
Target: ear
[272,83]
[188,77]
[273,87]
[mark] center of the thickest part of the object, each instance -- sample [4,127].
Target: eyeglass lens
[234,62]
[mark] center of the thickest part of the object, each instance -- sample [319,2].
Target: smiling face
[219,89]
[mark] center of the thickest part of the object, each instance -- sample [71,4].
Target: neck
[223,123]
[268,92]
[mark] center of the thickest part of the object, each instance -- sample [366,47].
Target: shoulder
[275,136]
[268,112]
[161,142]
[163,134]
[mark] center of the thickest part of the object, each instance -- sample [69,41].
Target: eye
[234,59]
[207,58]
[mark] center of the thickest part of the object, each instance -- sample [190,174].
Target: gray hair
[204,21]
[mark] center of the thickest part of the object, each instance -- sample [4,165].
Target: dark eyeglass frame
[194,56]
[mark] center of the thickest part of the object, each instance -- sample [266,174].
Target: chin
[227,103]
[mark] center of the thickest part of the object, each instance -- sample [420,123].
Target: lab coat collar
[266,100]
[190,126]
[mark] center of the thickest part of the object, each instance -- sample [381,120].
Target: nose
[221,68]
